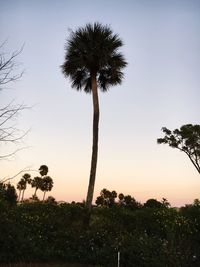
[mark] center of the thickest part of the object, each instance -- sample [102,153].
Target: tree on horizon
[92,62]
[46,185]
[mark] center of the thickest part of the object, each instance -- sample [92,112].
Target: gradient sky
[161,88]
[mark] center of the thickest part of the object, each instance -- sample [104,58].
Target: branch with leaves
[185,139]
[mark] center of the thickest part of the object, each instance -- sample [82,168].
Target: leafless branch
[27,169]
[9,132]
[8,66]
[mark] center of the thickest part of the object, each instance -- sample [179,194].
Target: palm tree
[36,182]
[92,61]
[20,187]
[47,185]
[43,170]
[26,179]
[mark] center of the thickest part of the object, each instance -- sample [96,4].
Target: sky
[160,88]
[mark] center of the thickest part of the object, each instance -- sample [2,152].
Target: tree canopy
[186,139]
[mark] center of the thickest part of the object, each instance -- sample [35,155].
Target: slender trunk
[19,195]
[44,195]
[35,191]
[95,144]
[23,195]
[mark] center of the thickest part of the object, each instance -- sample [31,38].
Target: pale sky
[161,88]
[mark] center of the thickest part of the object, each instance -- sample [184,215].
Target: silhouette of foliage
[43,170]
[106,198]
[186,139]
[50,232]
[8,193]
[46,185]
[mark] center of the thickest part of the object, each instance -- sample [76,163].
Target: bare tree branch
[27,169]
[9,132]
[8,66]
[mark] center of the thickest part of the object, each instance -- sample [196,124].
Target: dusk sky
[161,87]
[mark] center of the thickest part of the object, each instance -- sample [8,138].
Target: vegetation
[43,182]
[186,139]
[93,61]
[153,234]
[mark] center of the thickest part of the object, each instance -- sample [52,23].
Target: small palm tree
[26,179]
[47,185]
[43,170]
[36,183]
[92,61]
[20,187]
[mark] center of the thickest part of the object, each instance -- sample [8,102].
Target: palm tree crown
[93,50]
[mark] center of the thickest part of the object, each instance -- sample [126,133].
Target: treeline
[148,235]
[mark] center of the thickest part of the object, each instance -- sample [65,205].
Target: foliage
[153,203]
[44,183]
[146,237]
[186,139]
[8,193]
[93,49]
[108,198]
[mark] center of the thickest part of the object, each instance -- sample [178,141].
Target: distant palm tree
[22,185]
[36,183]
[43,170]
[47,185]
[92,61]
[27,180]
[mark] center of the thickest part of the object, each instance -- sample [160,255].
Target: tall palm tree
[92,61]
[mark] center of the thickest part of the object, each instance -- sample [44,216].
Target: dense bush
[145,237]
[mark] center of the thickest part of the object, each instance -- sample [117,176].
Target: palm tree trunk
[44,195]
[95,143]
[19,195]
[23,196]
[35,191]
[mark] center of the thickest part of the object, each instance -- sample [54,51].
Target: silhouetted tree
[43,170]
[51,200]
[8,193]
[186,139]
[20,187]
[36,183]
[153,203]
[92,61]
[46,185]
[128,201]
[106,198]
[26,179]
